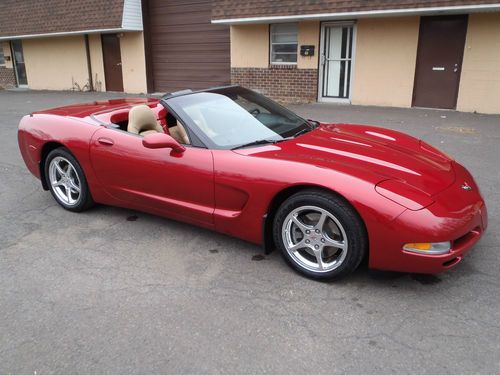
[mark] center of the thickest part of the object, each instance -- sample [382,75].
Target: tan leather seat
[179,134]
[176,130]
[142,121]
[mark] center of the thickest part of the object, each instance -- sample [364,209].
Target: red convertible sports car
[232,160]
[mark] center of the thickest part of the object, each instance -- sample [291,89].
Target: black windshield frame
[173,103]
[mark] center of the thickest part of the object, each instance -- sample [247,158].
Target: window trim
[2,51]
[271,62]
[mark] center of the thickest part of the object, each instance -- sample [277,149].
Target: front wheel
[320,235]
[66,181]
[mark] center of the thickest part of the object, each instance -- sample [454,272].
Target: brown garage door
[184,49]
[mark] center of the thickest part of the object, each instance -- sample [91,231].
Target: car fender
[245,200]
[36,131]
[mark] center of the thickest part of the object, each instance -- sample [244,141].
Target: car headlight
[430,248]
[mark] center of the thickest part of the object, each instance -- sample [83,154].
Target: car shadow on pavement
[217,243]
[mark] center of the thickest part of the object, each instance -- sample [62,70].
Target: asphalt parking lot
[116,291]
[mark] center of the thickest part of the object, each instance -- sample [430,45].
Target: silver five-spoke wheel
[315,239]
[64,181]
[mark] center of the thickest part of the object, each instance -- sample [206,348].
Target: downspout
[13,59]
[89,63]
[147,45]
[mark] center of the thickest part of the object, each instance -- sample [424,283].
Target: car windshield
[233,117]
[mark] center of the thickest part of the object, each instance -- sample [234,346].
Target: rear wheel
[66,181]
[320,235]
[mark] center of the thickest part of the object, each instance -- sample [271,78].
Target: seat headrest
[141,118]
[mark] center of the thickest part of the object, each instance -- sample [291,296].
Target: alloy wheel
[314,238]
[64,181]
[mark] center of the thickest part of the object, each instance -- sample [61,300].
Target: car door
[178,185]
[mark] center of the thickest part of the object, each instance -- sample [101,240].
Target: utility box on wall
[307,50]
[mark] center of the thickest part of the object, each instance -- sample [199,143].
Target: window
[284,43]
[2,58]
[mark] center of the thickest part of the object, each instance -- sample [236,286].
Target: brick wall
[7,77]
[283,83]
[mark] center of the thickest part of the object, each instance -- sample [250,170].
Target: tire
[320,235]
[64,174]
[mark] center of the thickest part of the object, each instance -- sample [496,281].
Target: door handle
[455,69]
[106,141]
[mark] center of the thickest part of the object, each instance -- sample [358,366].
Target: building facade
[406,53]
[117,45]
[61,45]
[435,54]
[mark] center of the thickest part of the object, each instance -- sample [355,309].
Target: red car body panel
[403,189]
[179,186]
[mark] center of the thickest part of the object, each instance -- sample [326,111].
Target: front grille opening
[469,236]
[451,262]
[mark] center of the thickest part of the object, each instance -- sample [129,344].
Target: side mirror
[161,140]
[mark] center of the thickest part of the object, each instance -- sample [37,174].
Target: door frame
[14,65]
[323,26]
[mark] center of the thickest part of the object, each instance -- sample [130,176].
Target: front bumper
[457,215]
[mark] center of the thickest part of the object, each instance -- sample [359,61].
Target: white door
[19,66]
[336,61]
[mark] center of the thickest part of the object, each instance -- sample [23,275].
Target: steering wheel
[273,126]
[254,111]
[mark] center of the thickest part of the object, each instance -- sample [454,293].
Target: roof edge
[69,33]
[361,14]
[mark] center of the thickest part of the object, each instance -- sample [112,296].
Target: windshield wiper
[306,130]
[258,142]
[272,141]
[300,132]
[314,123]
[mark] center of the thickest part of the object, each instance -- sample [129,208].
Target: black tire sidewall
[344,212]
[85,196]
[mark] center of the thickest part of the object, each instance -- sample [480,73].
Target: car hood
[367,150]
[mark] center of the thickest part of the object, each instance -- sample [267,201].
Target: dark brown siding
[223,9]
[185,49]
